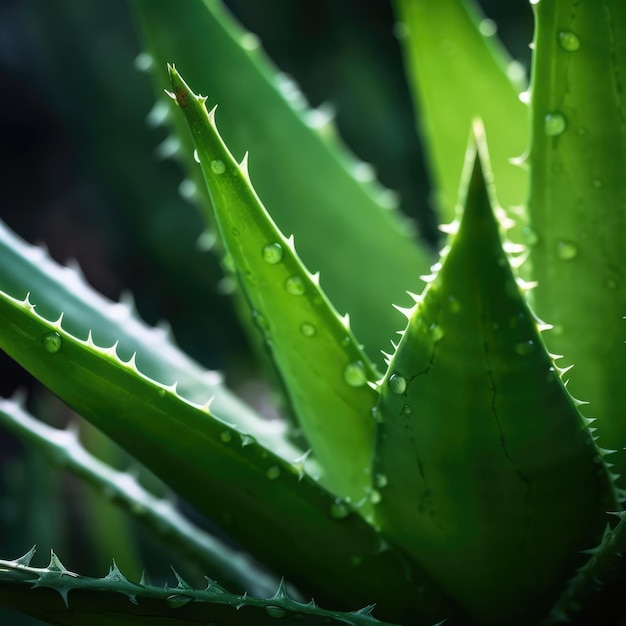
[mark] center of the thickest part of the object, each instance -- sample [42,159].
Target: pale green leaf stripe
[488,467]
[60,596]
[324,370]
[458,73]
[578,200]
[62,447]
[299,529]
[342,220]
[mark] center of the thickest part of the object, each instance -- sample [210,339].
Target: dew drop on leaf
[273,253]
[380,480]
[295,286]
[397,383]
[376,415]
[354,374]
[196,156]
[569,41]
[275,611]
[307,329]
[524,348]
[566,250]
[375,496]
[436,332]
[530,236]
[339,509]
[273,472]
[407,410]
[52,342]
[218,167]
[554,124]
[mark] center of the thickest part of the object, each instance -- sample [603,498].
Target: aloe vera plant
[469,475]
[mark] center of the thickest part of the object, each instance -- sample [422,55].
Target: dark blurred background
[79,171]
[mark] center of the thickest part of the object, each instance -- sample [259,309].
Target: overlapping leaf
[298,527]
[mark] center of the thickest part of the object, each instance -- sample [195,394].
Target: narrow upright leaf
[324,370]
[459,70]
[578,199]
[491,479]
[308,179]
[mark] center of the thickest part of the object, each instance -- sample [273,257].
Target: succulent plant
[467,475]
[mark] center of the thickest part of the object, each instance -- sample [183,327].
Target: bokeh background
[80,171]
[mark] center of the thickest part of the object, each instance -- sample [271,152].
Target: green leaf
[345,227]
[457,73]
[59,596]
[492,480]
[298,528]
[577,163]
[324,370]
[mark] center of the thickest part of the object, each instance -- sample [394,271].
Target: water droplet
[307,329]
[524,97]
[177,602]
[530,236]
[436,332]
[488,28]
[275,611]
[569,41]
[218,167]
[339,509]
[566,250]
[295,286]
[354,374]
[376,415]
[554,124]
[260,320]
[52,342]
[273,253]
[375,496]
[524,348]
[455,305]
[250,42]
[273,472]
[380,480]
[196,156]
[397,383]
[143,62]
[226,436]
[228,262]
[235,231]
[407,410]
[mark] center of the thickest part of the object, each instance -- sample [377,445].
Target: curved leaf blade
[324,369]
